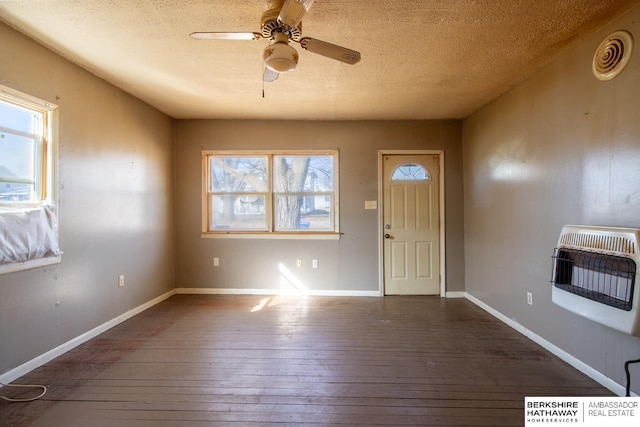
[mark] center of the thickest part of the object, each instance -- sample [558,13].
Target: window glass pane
[20,119]
[320,173]
[17,157]
[12,192]
[239,174]
[294,174]
[18,153]
[238,212]
[410,172]
[304,212]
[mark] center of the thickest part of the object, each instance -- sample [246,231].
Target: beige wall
[116,208]
[560,148]
[350,264]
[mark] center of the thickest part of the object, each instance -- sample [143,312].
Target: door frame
[441,213]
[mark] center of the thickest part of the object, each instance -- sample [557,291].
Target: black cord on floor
[626,371]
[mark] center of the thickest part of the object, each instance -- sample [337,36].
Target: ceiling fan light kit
[279,56]
[282,23]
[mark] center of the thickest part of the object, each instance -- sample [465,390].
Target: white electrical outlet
[299,263]
[314,263]
[529,298]
[121,280]
[216,262]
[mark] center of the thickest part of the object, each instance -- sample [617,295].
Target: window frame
[44,185]
[46,179]
[271,195]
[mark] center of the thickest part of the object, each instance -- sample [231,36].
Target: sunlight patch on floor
[290,287]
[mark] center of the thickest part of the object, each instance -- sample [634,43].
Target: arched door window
[410,172]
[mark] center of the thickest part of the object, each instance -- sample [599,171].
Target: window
[270,193]
[25,135]
[28,222]
[410,172]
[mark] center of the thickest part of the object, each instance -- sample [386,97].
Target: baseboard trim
[571,360]
[455,294]
[29,366]
[230,291]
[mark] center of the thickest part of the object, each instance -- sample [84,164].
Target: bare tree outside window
[239,186]
[302,185]
[272,192]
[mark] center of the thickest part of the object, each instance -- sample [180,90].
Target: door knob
[387,236]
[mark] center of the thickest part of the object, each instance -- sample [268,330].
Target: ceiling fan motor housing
[269,25]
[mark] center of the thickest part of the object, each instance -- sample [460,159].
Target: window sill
[30,264]
[268,236]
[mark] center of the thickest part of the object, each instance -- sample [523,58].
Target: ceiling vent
[612,55]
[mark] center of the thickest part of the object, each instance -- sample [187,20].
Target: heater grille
[607,279]
[595,273]
[599,242]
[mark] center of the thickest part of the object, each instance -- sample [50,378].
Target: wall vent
[612,55]
[595,275]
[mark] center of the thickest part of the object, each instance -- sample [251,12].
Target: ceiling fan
[281,23]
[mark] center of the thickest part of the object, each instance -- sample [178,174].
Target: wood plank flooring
[197,360]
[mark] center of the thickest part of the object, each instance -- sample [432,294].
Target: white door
[411,223]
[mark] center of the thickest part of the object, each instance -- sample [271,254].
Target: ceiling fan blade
[329,50]
[269,75]
[225,36]
[292,12]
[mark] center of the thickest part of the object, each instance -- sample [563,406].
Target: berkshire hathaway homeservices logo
[582,411]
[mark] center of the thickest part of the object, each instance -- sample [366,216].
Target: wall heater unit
[595,275]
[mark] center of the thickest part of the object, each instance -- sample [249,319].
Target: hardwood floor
[197,360]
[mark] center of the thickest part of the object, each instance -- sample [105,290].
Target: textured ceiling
[420,59]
